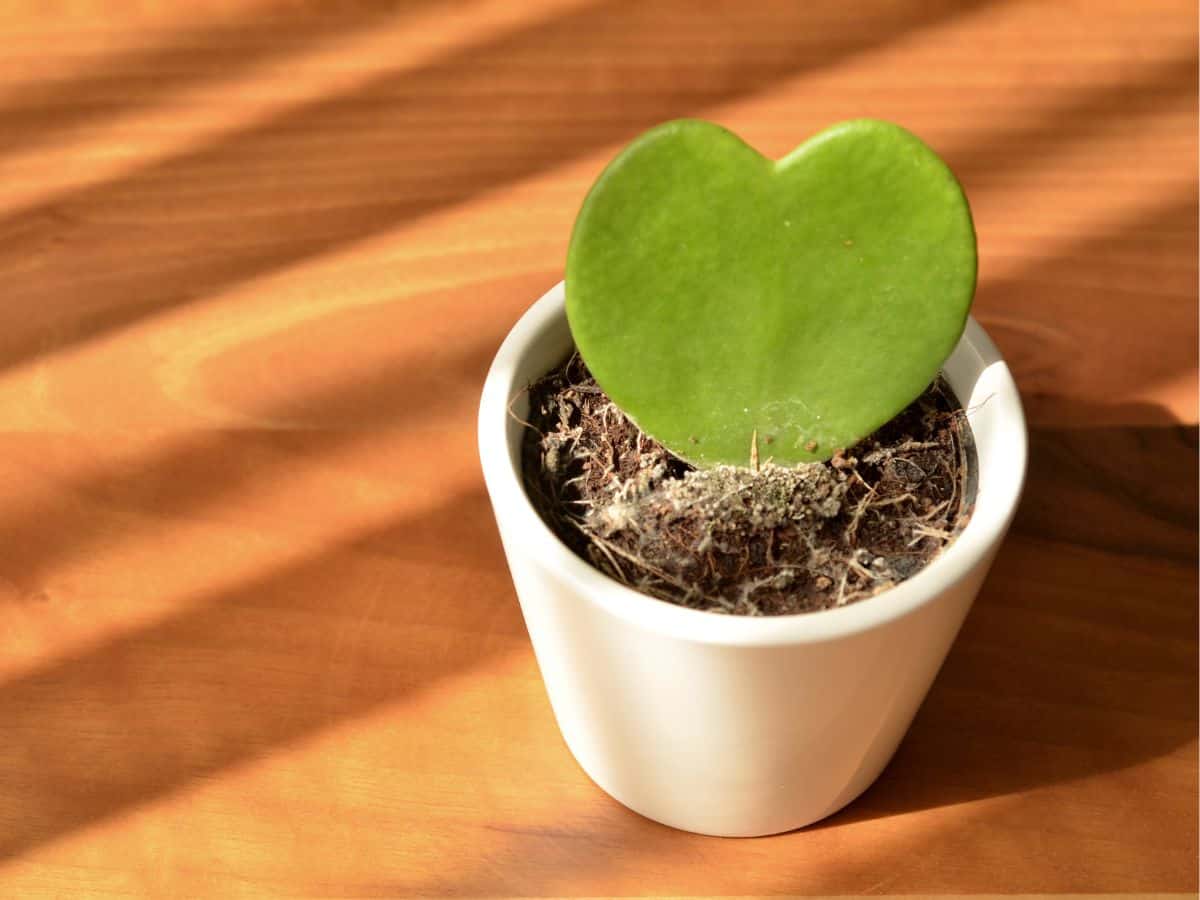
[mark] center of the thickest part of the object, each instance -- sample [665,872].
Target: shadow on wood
[134,79]
[205,469]
[1092,112]
[1142,273]
[280,658]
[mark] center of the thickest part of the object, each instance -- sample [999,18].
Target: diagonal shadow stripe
[254,668]
[1142,272]
[1091,113]
[138,78]
[201,472]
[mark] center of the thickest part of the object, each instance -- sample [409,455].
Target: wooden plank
[256,633]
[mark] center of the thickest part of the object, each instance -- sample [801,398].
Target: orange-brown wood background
[256,632]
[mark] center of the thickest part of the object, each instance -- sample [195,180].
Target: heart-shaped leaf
[716,294]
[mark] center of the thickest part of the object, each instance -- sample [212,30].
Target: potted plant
[810,300]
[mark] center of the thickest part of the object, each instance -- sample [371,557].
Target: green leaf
[715,293]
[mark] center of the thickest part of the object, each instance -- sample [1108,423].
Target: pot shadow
[1079,657]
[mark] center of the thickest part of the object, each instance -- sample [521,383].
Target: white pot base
[737,725]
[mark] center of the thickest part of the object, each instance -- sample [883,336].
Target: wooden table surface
[257,636]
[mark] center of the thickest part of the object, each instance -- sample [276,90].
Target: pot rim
[995,504]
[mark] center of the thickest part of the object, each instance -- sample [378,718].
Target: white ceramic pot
[733,725]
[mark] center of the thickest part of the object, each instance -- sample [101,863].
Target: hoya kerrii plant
[714,293]
[765,339]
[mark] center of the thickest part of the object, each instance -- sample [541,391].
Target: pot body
[726,725]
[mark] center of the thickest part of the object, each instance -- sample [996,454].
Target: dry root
[759,540]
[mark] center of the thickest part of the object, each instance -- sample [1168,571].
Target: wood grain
[256,632]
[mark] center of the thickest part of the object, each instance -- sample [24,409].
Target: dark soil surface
[753,540]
